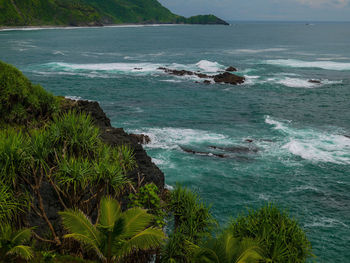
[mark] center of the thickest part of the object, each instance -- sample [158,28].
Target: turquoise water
[298,127]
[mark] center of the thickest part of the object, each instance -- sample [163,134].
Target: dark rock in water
[229,78]
[206,81]
[225,77]
[347,136]
[183,72]
[248,140]
[236,149]
[141,138]
[137,68]
[316,81]
[203,153]
[231,69]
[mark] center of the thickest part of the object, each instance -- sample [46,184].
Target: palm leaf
[136,220]
[147,239]
[110,212]
[21,251]
[21,236]
[76,222]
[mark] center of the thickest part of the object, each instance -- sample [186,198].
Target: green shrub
[148,197]
[74,134]
[280,236]
[20,100]
[9,204]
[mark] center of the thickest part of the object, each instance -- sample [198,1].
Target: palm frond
[110,212]
[147,239]
[136,220]
[77,222]
[21,236]
[21,251]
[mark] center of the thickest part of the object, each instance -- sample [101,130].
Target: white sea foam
[256,51]
[326,223]
[118,67]
[303,188]
[329,65]
[209,66]
[74,98]
[171,138]
[312,144]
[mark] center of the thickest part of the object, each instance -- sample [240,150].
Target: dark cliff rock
[231,69]
[146,169]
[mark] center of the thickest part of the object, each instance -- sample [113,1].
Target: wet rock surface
[225,77]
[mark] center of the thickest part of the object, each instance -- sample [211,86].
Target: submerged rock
[203,153]
[316,81]
[236,149]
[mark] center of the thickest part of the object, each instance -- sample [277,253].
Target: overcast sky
[290,10]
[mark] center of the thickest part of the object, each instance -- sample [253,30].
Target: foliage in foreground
[225,248]
[116,234]
[281,237]
[12,243]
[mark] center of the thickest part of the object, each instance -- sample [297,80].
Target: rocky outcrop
[231,69]
[141,138]
[229,78]
[146,169]
[225,77]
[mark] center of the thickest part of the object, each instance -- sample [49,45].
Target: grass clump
[20,100]
[280,236]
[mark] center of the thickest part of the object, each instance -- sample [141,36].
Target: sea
[278,138]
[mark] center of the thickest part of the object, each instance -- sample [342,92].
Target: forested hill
[91,12]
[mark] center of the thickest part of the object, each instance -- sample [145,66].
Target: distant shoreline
[28,28]
[10,28]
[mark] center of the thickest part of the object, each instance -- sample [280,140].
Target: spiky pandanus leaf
[21,236]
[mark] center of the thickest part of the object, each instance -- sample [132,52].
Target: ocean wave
[325,222]
[172,138]
[329,65]
[256,51]
[313,145]
[110,69]
[301,83]
[208,66]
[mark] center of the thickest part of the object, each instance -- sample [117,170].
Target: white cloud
[320,3]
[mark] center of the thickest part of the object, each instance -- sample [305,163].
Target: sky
[267,10]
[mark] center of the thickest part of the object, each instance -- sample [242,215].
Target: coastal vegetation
[91,12]
[68,196]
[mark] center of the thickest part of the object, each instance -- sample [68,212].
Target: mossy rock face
[20,100]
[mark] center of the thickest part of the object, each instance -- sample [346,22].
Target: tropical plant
[13,155]
[148,197]
[192,222]
[116,234]
[75,134]
[226,249]
[9,204]
[281,237]
[12,243]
